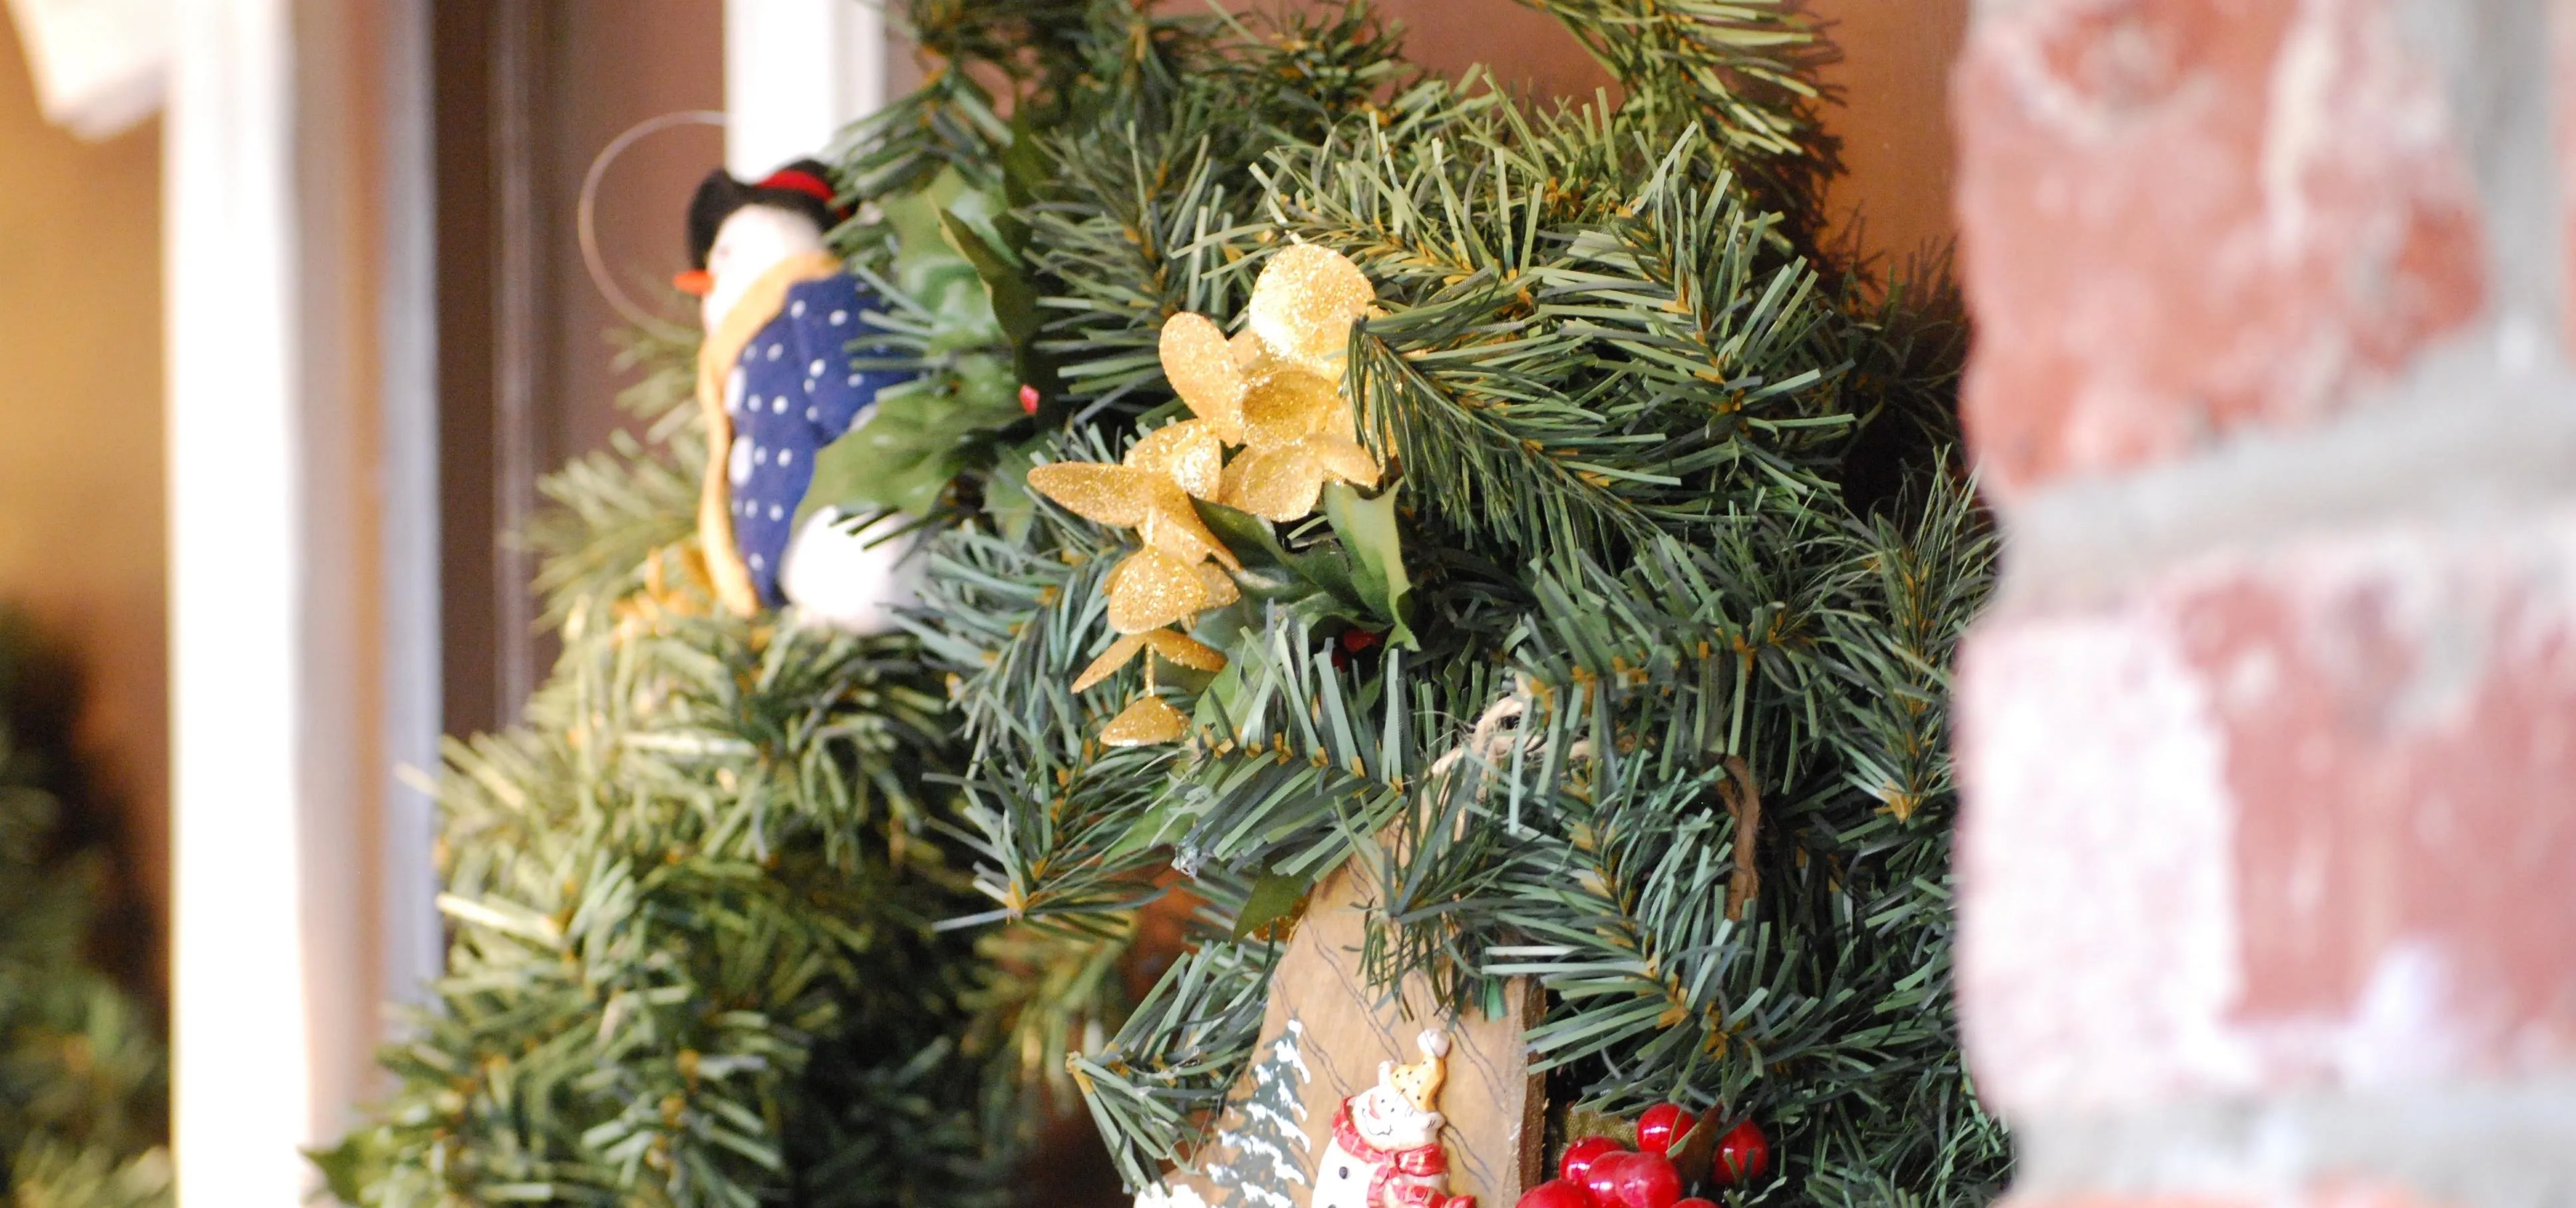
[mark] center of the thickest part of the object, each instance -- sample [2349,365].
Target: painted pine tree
[1265,1133]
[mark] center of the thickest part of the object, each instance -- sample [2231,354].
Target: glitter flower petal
[1115,495]
[1171,525]
[1275,484]
[1145,722]
[1344,459]
[1203,370]
[1176,648]
[1286,405]
[1305,300]
[1190,453]
[1247,349]
[1152,589]
[1220,585]
[1119,654]
[1181,650]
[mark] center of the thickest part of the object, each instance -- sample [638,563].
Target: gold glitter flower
[1272,389]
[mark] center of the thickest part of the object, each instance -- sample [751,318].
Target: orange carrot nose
[695,282]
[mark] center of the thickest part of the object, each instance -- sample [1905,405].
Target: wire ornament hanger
[587,227]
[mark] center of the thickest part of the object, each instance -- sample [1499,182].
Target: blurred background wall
[81,530]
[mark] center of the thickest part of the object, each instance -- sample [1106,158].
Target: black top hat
[803,187]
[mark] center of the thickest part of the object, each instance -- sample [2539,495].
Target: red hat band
[797,181]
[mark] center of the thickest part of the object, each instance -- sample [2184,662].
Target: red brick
[2180,218]
[2333,1195]
[2302,818]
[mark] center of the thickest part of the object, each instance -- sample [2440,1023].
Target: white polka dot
[777,513]
[839,317]
[774,350]
[778,406]
[757,562]
[759,456]
[796,310]
[738,461]
[786,455]
[854,379]
[814,370]
[813,415]
[733,391]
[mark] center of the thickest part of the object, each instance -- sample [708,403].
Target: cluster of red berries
[1597,1173]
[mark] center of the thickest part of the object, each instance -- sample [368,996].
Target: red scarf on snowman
[1416,1166]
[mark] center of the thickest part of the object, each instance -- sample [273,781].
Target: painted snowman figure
[1386,1150]
[775,385]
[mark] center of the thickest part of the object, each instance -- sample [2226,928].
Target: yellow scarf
[757,306]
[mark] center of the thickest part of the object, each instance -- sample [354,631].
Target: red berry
[1028,399]
[1579,1154]
[1634,1180]
[1557,1193]
[1742,1155]
[1662,1125]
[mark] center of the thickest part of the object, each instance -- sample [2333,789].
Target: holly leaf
[1325,583]
[937,275]
[1007,289]
[1374,553]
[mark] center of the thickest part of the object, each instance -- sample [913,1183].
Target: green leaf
[918,438]
[1375,553]
[1274,897]
[1322,583]
[1249,536]
[935,273]
[1007,289]
[347,1168]
[1006,490]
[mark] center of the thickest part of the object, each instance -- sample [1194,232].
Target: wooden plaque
[1322,1040]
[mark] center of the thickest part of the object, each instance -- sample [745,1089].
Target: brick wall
[2270,739]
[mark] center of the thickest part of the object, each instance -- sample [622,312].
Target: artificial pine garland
[692,896]
[1657,717]
[1655,584]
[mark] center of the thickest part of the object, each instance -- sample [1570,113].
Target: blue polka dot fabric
[792,393]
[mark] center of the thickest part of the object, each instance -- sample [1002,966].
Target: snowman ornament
[775,385]
[1386,1151]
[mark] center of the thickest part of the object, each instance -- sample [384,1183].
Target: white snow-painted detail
[1162,1195]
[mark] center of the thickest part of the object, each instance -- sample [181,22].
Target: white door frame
[796,71]
[302,423]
